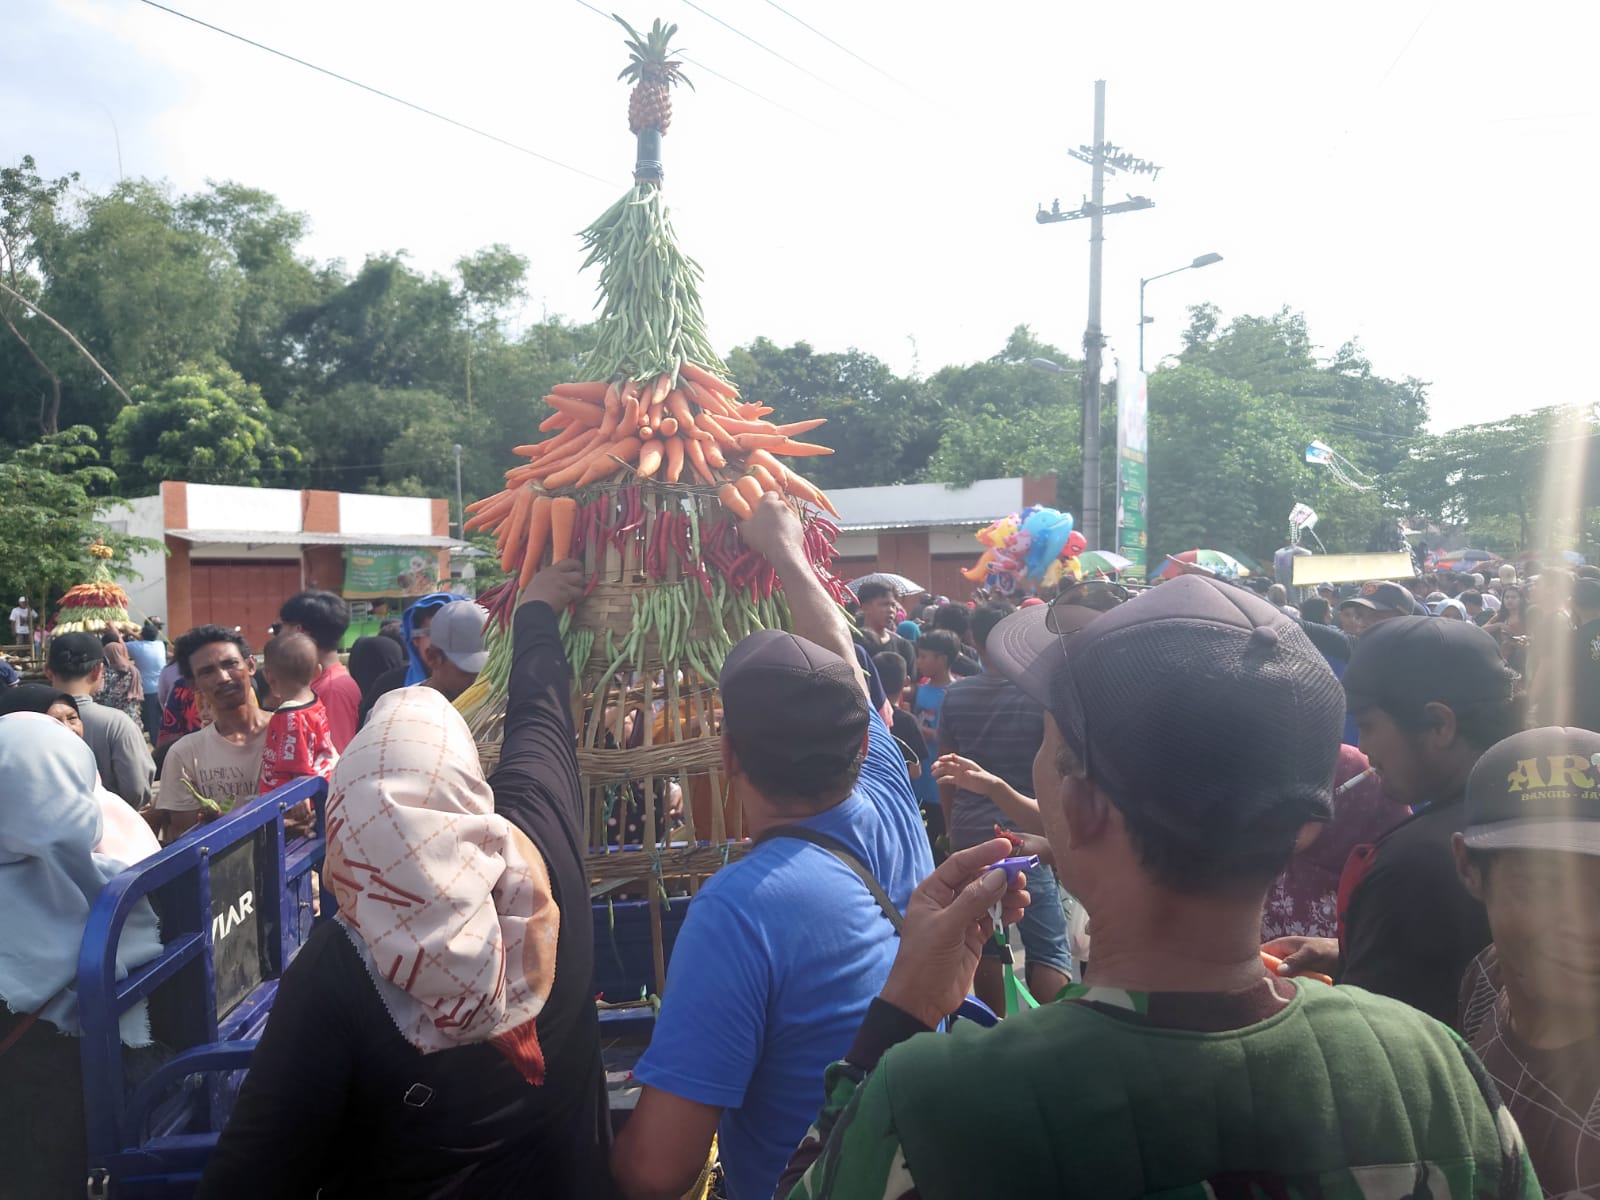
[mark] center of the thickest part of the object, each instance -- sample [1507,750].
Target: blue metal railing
[209,1016]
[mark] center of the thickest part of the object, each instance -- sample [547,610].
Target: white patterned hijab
[449,902]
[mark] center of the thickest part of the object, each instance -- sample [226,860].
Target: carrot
[659,390]
[556,420]
[678,406]
[706,379]
[538,535]
[734,501]
[489,516]
[630,414]
[578,410]
[488,502]
[804,489]
[594,392]
[794,449]
[696,454]
[766,479]
[712,402]
[718,434]
[674,458]
[668,427]
[750,488]
[797,427]
[657,412]
[763,458]
[646,432]
[569,454]
[514,528]
[739,425]
[563,518]
[761,441]
[650,456]
[714,454]
[613,398]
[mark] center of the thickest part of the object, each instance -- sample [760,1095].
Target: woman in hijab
[438,1037]
[46,701]
[370,657]
[414,628]
[122,687]
[55,856]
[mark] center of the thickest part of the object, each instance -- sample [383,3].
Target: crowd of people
[1316,906]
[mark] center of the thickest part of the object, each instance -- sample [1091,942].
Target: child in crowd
[1531,1000]
[913,746]
[937,651]
[299,741]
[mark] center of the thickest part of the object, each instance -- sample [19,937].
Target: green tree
[28,206]
[1521,483]
[50,492]
[204,423]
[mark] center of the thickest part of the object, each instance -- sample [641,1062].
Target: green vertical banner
[1133,482]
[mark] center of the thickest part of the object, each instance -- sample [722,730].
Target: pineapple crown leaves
[650,55]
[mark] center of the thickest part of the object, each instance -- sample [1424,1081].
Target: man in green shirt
[1192,733]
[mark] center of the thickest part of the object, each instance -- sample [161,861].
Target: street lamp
[1205,260]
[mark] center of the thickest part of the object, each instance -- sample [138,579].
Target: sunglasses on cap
[1101,595]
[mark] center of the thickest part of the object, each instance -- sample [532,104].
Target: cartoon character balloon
[1033,548]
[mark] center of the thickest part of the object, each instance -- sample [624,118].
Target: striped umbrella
[1210,562]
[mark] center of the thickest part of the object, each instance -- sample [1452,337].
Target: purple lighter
[1011,866]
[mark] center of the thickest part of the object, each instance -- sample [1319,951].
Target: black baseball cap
[1026,650]
[793,708]
[1536,790]
[1403,664]
[74,655]
[1198,702]
[1386,597]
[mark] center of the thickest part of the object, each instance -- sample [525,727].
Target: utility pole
[461,512]
[1102,159]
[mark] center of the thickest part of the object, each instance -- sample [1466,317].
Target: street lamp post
[1205,260]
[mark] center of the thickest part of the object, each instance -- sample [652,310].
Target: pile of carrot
[692,428]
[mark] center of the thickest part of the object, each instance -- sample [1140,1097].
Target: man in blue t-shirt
[782,951]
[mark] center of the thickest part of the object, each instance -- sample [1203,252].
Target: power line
[767,48]
[366,87]
[837,45]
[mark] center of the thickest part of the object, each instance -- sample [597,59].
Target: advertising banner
[374,572]
[1133,485]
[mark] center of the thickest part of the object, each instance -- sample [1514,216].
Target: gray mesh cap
[1204,706]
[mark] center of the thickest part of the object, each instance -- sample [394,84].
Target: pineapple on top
[652,71]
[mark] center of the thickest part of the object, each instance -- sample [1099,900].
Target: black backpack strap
[842,852]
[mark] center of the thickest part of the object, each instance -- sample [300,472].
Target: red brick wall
[441,517]
[905,552]
[319,512]
[323,567]
[174,505]
[180,602]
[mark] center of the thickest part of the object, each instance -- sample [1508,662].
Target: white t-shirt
[22,620]
[223,772]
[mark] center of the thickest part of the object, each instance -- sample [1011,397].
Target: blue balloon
[1049,530]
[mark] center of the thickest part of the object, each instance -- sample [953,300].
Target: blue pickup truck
[236,901]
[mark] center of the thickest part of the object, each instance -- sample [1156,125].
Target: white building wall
[397,516]
[147,590]
[927,503]
[271,510]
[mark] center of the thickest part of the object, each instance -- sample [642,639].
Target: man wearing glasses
[207,772]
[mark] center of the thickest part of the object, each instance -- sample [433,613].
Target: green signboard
[1133,483]
[376,572]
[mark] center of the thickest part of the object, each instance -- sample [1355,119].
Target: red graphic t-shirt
[299,743]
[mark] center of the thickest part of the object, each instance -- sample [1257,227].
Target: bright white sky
[1415,173]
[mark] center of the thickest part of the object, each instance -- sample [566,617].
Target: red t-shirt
[342,696]
[299,743]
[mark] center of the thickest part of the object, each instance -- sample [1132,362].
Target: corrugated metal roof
[269,537]
[890,526]
[926,505]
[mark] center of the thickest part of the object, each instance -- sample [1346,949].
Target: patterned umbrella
[1102,562]
[901,585]
[1209,562]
